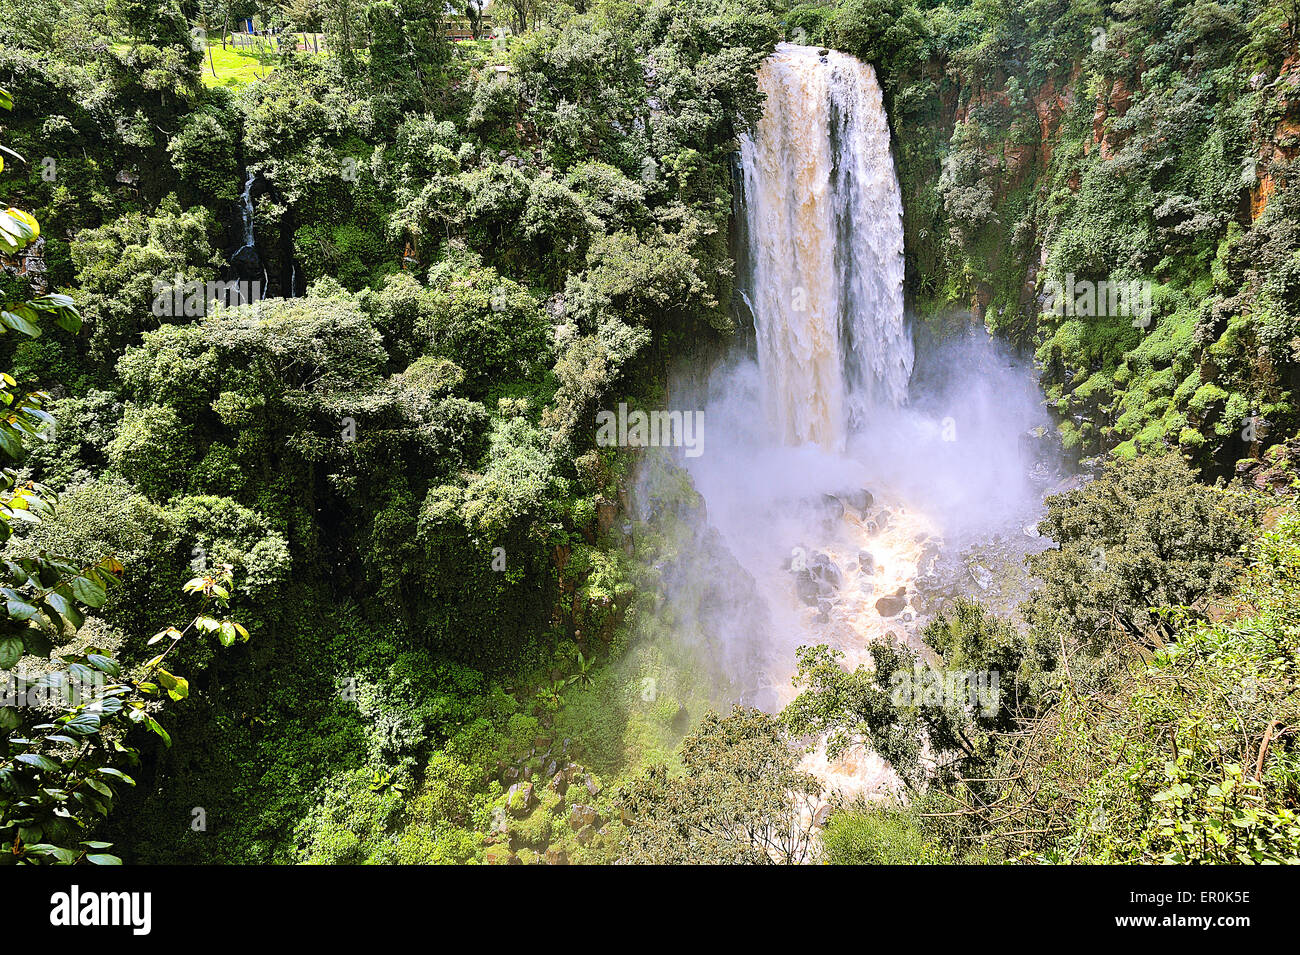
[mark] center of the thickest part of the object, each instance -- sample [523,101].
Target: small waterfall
[823,225]
[246,212]
[246,260]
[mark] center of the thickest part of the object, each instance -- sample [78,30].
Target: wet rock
[824,571]
[982,576]
[824,610]
[929,554]
[878,522]
[830,507]
[1031,530]
[861,500]
[891,605]
[806,589]
[866,562]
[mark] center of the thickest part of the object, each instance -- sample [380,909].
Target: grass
[235,67]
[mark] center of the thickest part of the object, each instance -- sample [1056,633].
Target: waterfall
[246,259]
[824,233]
[246,211]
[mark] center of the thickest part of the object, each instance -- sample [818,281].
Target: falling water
[853,497]
[825,234]
[246,211]
[246,256]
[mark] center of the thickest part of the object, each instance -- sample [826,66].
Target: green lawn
[234,66]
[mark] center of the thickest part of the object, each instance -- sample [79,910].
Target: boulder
[866,562]
[556,857]
[805,588]
[580,816]
[520,799]
[824,571]
[586,834]
[861,500]
[892,605]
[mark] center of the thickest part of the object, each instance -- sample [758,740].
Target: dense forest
[312,553]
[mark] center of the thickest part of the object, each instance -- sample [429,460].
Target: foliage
[740,799]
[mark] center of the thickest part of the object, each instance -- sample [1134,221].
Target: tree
[1144,535]
[65,726]
[741,799]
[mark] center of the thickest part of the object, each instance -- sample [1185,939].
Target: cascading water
[825,234]
[246,212]
[246,259]
[853,496]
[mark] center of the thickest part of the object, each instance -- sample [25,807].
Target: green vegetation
[432,628]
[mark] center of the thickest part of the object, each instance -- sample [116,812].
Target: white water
[246,212]
[825,227]
[827,409]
